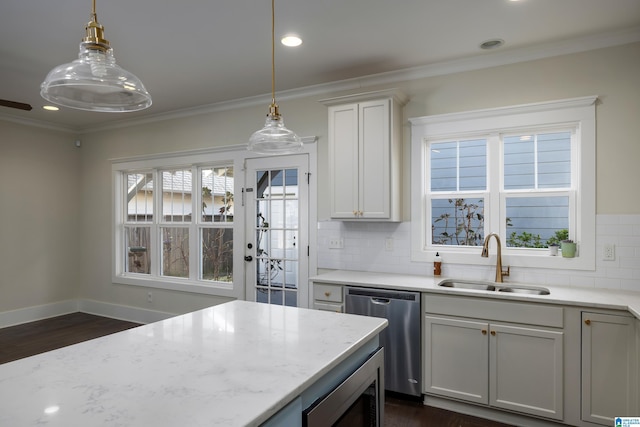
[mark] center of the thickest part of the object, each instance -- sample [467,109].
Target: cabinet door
[609,368]
[344,160]
[375,159]
[456,354]
[526,370]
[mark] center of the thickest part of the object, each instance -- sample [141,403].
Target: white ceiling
[193,53]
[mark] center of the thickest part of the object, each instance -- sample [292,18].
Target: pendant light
[94,82]
[274,138]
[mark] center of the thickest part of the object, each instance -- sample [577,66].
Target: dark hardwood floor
[37,337]
[405,412]
[33,338]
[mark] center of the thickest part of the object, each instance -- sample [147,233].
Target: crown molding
[480,61]
[37,123]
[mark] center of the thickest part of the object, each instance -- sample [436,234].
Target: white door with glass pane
[276,199]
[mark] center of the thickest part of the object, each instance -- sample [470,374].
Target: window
[525,172]
[175,220]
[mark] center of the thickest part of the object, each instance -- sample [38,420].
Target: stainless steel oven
[356,401]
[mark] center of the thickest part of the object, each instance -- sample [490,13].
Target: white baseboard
[39,312]
[488,413]
[115,311]
[122,312]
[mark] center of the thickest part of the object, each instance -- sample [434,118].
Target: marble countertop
[234,364]
[573,296]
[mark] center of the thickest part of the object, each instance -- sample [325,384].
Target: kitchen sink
[467,284]
[497,287]
[524,290]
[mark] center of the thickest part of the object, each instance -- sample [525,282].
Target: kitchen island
[235,364]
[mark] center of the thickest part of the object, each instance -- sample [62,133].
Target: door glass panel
[276,297]
[277,210]
[291,299]
[276,246]
[276,214]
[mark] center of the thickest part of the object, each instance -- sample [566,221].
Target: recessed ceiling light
[492,44]
[50,410]
[291,41]
[50,107]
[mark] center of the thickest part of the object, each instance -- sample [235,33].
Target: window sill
[585,262]
[184,285]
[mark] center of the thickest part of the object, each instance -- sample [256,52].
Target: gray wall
[40,253]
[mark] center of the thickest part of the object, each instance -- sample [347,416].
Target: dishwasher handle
[380,301]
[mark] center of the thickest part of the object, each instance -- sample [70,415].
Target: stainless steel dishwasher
[401,339]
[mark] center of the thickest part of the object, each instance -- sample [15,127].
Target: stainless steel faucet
[485,254]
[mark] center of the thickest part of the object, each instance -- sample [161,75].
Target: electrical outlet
[149,296]
[336,243]
[388,244]
[609,252]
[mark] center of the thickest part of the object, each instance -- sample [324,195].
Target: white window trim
[578,112]
[210,157]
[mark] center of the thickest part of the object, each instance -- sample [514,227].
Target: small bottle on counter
[437,265]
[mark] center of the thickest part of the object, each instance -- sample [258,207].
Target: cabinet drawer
[328,306]
[324,292]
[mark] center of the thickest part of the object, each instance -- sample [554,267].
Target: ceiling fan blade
[13,104]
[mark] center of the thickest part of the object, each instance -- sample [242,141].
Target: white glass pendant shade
[274,137]
[94,82]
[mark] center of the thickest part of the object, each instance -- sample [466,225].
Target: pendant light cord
[273,50]
[94,16]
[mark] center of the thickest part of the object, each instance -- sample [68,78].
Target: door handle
[380,301]
[248,258]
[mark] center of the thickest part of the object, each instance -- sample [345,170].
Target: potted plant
[568,248]
[553,243]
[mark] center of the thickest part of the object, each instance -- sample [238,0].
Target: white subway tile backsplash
[365,249]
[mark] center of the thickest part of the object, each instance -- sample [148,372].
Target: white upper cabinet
[365,137]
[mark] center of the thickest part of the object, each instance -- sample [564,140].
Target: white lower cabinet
[525,370]
[510,366]
[609,368]
[328,297]
[456,358]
